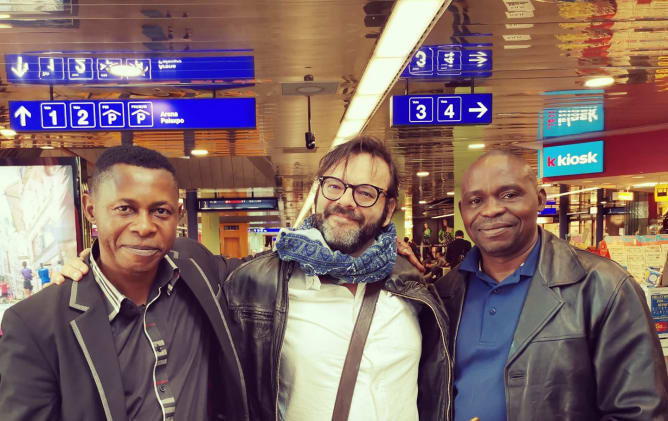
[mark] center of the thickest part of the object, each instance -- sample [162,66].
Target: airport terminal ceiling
[537,46]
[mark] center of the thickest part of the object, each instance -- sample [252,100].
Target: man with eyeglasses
[296,311]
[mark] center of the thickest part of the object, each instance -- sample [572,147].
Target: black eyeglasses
[365,195]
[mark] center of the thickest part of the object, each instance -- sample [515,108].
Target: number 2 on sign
[83,118]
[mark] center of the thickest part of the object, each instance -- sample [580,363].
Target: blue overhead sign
[573,159]
[238,204]
[445,110]
[50,69]
[449,61]
[147,114]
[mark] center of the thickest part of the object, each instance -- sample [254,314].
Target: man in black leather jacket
[293,327]
[581,345]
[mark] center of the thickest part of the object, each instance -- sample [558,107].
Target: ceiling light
[442,216]
[362,106]
[5,26]
[7,132]
[599,82]
[47,147]
[450,193]
[648,184]
[406,25]
[422,202]
[477,146]
[422,173]
[199,152]
[125,70]
[638,176]
[5,16]
[379,75]
[350,128]
[550,196]
[310,90]
[546,185]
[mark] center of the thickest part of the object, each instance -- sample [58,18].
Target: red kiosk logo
[568,159]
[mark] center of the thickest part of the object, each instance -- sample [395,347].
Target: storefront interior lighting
[550,196]
[648,184]
[199,152]
[422,202]
[47,147]
[406,27]
[477,146]
[599,82]
[7,132]
[450,193]
[442,216]
[422,173]
[5,26]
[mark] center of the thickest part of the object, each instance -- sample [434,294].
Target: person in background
[26,273]
[444,236]
[414,247]
[539,329]
[43,274]
[457,249]
[426,235]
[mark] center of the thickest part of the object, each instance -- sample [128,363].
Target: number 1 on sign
[54,118]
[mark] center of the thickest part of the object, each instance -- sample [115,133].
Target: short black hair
[129,155]
[459,233]
[358,145]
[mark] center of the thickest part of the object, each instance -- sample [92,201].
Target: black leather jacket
[585,347]
[257,295]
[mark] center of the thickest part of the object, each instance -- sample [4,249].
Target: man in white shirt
[294,311]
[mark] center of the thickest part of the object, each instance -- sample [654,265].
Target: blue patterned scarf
[308,248]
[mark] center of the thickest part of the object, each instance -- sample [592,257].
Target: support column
[191,212]
[127,138]
[599,216]
[563,211]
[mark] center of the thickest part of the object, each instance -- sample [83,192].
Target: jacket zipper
[285,281]
[454,345]
[447,354]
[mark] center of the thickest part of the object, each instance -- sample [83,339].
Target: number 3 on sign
[421,110]
[421,57]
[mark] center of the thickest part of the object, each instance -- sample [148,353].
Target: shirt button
[492,311]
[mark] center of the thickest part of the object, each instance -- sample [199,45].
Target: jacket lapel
[557,266]
[540,305]
[216,311]
[93,334]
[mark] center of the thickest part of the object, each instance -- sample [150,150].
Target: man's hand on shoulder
[74,269]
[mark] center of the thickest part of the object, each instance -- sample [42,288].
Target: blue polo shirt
[489,318]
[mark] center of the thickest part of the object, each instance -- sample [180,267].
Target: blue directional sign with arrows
[116,115]
[449,61]
[442,110]
[51,69]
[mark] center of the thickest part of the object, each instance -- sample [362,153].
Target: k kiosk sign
[573,159]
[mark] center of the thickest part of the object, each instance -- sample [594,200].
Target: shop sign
[626,196]
[573,159]
[661,193]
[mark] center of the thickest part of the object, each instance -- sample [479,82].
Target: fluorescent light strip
[550,196]
[442,216]
[406,27]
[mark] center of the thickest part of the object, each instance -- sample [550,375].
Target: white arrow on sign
[21,67]
[481,110]
[479,57]
[22,113]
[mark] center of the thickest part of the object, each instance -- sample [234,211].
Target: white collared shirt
[320,323]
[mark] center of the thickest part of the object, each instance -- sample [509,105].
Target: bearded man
[297,312]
